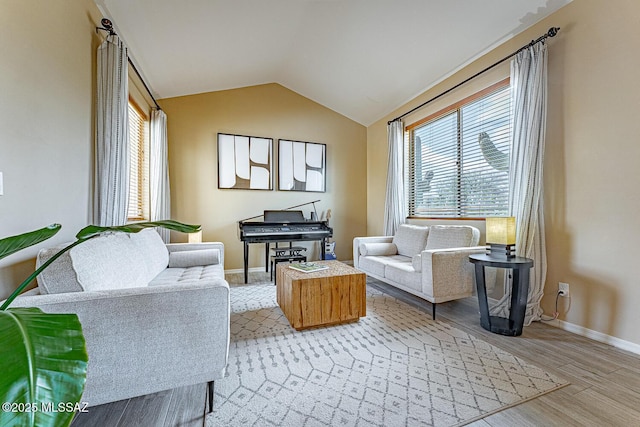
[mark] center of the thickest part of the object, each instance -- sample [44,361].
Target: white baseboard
[240,270]
[596,336]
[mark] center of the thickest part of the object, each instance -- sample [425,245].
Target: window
[459,159]
[138,208]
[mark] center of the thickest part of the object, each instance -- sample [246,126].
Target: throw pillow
[378,249]
[185,259]
[411,239]
[153,251]
[107,262]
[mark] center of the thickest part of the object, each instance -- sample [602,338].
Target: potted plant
[43,359]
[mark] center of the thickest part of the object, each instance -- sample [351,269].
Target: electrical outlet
[563,289]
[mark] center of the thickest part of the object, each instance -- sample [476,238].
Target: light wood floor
[604,389]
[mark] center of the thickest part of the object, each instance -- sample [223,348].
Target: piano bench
[287,258]
[287,251]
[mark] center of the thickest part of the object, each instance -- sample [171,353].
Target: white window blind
[138,208]
[459,161]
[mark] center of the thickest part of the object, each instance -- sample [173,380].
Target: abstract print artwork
[301,166]
[245,162]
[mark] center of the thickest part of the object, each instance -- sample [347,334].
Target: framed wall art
[245,162]
[301,166]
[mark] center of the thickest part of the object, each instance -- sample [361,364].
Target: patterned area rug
[394,367]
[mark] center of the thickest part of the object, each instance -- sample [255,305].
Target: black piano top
[283,226]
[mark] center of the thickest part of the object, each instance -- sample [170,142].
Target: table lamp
[501,237]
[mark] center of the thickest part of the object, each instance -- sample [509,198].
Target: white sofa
[154,316]
[430,262]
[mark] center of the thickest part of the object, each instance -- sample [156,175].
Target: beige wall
[46,122]
[268,111]
[592,153]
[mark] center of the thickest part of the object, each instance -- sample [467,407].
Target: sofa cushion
[416,262]
[110,261]
[452,236]
[404,274]
[194,258]
[376,264]
[59,277]
[171,276]
[410,239]
[377,249]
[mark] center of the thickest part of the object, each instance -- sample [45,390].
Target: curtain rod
[551,33]
[107,25]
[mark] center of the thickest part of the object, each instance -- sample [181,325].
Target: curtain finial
[107,25]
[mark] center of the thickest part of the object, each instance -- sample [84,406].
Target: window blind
[138,165]
[459,161]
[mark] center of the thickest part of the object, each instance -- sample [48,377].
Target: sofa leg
[210,393]
[433,310]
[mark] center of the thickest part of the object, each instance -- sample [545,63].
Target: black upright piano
[280,226]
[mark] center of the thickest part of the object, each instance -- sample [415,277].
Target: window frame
[410,156]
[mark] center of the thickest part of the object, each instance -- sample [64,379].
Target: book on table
[307,267]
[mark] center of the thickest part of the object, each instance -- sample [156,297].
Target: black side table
[519,293]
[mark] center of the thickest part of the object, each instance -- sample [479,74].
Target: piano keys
[280,226]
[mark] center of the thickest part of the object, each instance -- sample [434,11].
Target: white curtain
[529,101]
[159,171]
[395,210]
[111,192]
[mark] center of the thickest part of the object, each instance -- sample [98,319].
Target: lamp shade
[195,237]
[501,230]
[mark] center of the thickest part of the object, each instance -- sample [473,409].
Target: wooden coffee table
[335,295]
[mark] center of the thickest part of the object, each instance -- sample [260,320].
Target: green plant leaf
[13,244]
[93,230]
[43,360]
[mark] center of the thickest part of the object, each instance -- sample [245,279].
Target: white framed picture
[302,166]
[245,162]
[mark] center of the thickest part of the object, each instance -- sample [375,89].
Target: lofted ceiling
[360,58]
